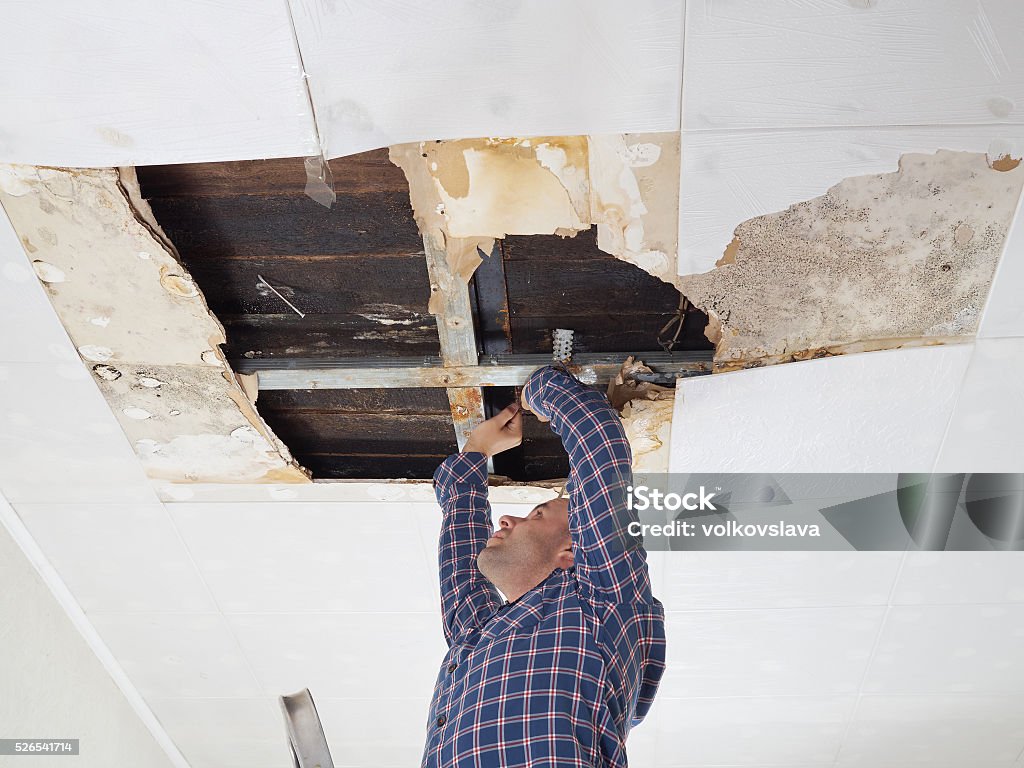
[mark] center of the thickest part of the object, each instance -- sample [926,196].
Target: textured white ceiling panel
[731,176]
[945,649]
[226,732]
[290,556]
[937,731]
[986,432]
[118,557]
[344,655]
[798,63]
[871,412]
[31,332]
[803,731]
[125,83]
[59,442]
[391,72]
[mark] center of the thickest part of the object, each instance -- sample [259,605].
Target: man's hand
[498,433]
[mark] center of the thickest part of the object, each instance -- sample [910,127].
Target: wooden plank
[393,287]
[327,336]
[408,402]
[557,288]
[356,174]
[582,247]
[260,225]
[457,336]
[350,433]
[453,311]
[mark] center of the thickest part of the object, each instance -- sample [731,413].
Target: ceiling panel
[872,412]
[118,557]
[538,68]
[293,557]
[751,64]
[130,83]
[799,651]
[943,649]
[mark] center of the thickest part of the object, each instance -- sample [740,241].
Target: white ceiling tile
[379,732]
[773,652]
[292,556]
[1004,310]
[226,733]
[872,412]
[31,330]
[340,655]
[117,557]
[786,731]
[59,440]
[934,730]
[538,68]
[136,84]
[976,649]
[752,64]
[175,655]
[731,176]
[709,580]
[960,577]
[985,431]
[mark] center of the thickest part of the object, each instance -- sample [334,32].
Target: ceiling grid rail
[450,304]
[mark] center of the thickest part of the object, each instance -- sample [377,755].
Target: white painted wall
[52,684]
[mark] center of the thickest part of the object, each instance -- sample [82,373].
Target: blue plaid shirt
[559,676]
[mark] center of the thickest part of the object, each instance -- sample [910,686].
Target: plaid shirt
[559,676]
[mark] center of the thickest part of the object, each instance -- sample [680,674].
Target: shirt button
[442,720]
[451,667]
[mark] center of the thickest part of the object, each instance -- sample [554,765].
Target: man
[558,672]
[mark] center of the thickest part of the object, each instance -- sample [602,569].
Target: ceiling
[213,598]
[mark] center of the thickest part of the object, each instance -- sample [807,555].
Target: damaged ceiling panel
[538,69]
[878,261]
[467,192]
[728,177]
[358,275]
[142,326]
[127,83]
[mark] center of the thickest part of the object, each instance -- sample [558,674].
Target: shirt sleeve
[609,562]
[467,598]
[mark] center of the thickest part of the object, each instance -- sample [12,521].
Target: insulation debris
[468,192]
[646,410]
[142,326]
[881,261]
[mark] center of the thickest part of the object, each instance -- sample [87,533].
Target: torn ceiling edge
[142,326]
[468,192]
[500,491]
[877,262]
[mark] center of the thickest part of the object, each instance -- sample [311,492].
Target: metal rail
[492,370]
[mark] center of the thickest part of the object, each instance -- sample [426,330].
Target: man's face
[528,545]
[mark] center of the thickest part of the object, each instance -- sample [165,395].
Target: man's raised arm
[460,484]
[467,598]
[607,560]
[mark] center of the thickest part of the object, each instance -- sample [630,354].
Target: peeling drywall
[468,192]
[646,410]
[881,261]
[141,325]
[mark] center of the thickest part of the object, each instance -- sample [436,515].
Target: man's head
[525,550]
